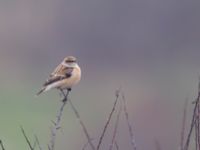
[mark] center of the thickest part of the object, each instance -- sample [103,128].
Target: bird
[64,77]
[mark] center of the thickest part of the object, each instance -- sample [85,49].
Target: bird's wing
[53,79]
[60,73]
[62,70]
[57,70]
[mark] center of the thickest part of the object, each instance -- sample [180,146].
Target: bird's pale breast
[73,80]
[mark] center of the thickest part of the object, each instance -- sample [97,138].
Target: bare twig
[183,124]
[108,120]
[37,142]
[116,145]
[48,147]
[191,127]
[1,143]
[58,120]
[82,125]
[86,145]
[186,146]
[157,145]
[27,140]
[198,135]
[115,129]
[133,143]
[34,144]
[197,129]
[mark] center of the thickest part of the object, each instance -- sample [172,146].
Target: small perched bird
[66,75]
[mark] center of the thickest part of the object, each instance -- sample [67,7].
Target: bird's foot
[64,99]
[69,89]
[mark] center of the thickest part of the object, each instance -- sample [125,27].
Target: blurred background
[151,48]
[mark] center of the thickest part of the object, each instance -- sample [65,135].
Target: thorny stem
[197,129]
[193,119]
[86,144]
[82,125]
[183,124]
[133,143]
[116,145]
[37,142]
[27,140]
[198,112]
[157,144]
[108,121]
[58,120]
[2,147]
[115,129]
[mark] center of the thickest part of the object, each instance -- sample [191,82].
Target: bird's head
[70,61]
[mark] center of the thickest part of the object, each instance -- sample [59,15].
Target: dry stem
[58,121]
[108,121]
[133,143]
[27,140]
[2,147]
[37,142]
[157,145]
[83,126]
[116,145]
[115,129]
[193,122]
[183,124]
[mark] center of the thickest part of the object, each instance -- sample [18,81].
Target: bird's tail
[41,91]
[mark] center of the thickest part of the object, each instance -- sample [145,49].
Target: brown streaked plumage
[66,75]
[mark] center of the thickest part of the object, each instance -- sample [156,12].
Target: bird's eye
[69,61]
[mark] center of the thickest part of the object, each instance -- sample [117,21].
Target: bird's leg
[66,94]
[62,93]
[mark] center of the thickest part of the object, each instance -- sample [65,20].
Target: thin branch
[197,129]
[108,120]
[116,145]
[133,143]
[157,145]
[37,142]
[34,144]
[198,112]
[86,145]
[58,121]
[27,140]
[186,146]
[48,147]
[196,135]
[115,129]
[82,125]
[183,124]
[2,147]
[191,127]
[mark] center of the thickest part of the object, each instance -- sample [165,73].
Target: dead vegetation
[193,133]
